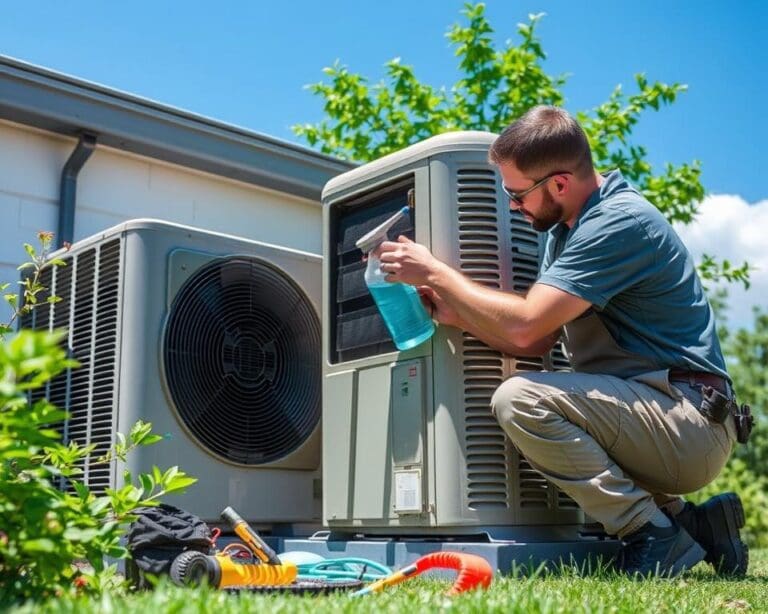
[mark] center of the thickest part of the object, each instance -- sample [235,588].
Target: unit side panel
[373,453]
[536,501]
[467,234]
[474,230]
[339,443]
[360,368]
[88,307]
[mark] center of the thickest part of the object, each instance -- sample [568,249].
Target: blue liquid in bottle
[399,304]
[403,313]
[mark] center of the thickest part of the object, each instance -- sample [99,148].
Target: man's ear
[562,184]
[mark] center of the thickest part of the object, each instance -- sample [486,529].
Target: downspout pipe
[68,192]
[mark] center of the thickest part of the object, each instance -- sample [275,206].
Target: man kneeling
[647,414]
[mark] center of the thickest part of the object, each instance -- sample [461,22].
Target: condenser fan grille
[242,360]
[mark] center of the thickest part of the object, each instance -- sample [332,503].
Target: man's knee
[514,402]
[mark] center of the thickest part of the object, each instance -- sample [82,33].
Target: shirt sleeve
[607,252]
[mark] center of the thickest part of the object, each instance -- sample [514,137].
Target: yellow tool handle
[244,531]
[247,574]
[241,530]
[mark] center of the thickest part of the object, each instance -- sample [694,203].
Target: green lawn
[697,591]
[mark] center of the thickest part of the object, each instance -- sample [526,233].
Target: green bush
[54,541]
[753,490]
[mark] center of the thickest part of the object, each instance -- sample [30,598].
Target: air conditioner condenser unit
[213,339]
[409,443]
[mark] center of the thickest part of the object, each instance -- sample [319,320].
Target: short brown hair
[544,140]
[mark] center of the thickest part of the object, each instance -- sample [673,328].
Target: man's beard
[551,214]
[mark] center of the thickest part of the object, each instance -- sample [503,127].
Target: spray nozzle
[378,235]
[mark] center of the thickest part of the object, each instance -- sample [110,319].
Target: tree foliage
[746,351]
[365,121]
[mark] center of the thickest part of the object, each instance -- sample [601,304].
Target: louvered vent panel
[485,444]
[525,252]
[104,344]
[534,488]
[564,502]
[88,289]
[535,492]
[559,360]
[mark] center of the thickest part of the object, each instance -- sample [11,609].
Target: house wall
[114,186]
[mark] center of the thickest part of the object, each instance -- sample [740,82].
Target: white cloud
[728,227]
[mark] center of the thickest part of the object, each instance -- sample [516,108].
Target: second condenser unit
[409,442]
[213,339]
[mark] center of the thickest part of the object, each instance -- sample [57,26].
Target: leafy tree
[497,85]
[746,352]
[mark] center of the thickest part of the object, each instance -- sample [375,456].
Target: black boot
[658,551]
[715,525]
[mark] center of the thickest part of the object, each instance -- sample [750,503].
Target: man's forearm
[505,347]
[489,313]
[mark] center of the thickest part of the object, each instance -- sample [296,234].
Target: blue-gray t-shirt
[624,257]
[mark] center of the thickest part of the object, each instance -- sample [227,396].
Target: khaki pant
[619,447]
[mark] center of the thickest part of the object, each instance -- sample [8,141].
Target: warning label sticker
[408,491]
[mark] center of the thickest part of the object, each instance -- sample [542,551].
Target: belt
[700,378]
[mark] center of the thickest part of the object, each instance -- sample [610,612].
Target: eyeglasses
[518,196]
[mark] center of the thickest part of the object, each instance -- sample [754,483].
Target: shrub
[55,540]
[45,530]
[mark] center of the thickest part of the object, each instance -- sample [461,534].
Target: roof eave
[58,103]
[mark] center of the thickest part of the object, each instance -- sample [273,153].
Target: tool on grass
[473,571]
[254,566]
[234,567]
[255,544]
[223,571]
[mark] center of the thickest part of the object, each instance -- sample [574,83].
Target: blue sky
[246,62]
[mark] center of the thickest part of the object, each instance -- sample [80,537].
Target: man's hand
[440,310]
[407,262]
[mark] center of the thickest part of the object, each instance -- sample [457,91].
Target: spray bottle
[399,304]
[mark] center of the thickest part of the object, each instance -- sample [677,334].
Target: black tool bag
[159,535]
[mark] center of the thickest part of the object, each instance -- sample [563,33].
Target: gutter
[68,192]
